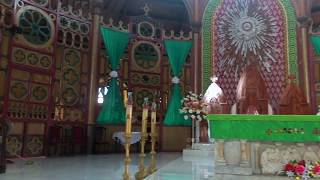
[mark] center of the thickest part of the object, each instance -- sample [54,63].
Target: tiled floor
[191,168]
[171,166]
[93,167]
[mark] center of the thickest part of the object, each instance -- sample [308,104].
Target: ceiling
[166,11]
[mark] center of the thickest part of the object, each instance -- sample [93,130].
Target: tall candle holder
[128,135]
[142,170]
[127,160]
[152,167]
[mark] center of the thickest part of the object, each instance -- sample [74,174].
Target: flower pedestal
[199,148]
[193,108]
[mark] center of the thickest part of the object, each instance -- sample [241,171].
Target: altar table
[264,143]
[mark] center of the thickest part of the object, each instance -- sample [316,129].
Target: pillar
[93,91]
[304,24]
[219,152]
[196,27]
[245,153]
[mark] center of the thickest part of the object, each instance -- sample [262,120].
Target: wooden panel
[318,98]
[85,64]
[187,79]
[317,72]
[102,65]
[165,75]
[59,56]
[5,45]
[17,128]
[2,80]
[41,78]
[35,129]
[175,138]
[125,68]
[21,75]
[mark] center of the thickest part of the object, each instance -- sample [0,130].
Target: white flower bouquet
[193,107]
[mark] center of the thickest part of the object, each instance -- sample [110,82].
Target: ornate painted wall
[145,69]
[236,32]
[44,58]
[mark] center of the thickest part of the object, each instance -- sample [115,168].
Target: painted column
[304,23]
[219,152]
[244,162]
[93,92]
[196,48]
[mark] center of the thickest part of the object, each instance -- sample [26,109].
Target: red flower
[302,162]
[316,169]
[299,169]
[289,167]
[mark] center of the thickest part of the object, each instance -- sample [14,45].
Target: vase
[204,138]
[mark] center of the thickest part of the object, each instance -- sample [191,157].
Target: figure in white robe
[213,92]
[211,98]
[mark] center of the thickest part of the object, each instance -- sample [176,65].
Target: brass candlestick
[127,160]
[152,167]
[142,173]
[128,135]
[153,163]
[142,170]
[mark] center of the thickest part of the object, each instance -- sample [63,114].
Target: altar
[263,144]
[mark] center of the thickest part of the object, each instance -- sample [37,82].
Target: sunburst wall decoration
[246,30]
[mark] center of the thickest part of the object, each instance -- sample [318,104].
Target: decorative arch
[209,20]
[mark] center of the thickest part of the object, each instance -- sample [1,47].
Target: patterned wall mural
[145,69]
[246,31]
[44,65]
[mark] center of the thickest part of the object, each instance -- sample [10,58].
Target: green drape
[113,111]
[177,52]
[315,40]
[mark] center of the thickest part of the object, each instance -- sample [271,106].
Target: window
[102,91]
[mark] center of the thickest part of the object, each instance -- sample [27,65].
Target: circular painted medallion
[37,27]
[18,90]
[146,55]
[69,96]
[39,93]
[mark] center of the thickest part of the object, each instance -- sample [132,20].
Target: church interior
[159,89]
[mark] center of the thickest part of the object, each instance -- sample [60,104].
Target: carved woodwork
[252,92]
[293,100]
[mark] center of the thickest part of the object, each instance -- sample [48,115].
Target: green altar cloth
[285,128]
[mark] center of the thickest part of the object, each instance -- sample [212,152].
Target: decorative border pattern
[207,38]
[292,56]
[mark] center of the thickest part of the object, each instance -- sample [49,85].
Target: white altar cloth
[120,137]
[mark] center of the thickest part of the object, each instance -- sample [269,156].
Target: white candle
[129,113]
[153,118]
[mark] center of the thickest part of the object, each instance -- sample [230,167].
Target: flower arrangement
[302,169]
[193,107]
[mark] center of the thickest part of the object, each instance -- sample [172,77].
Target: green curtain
[177,52]
[113,111]
[315,40]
